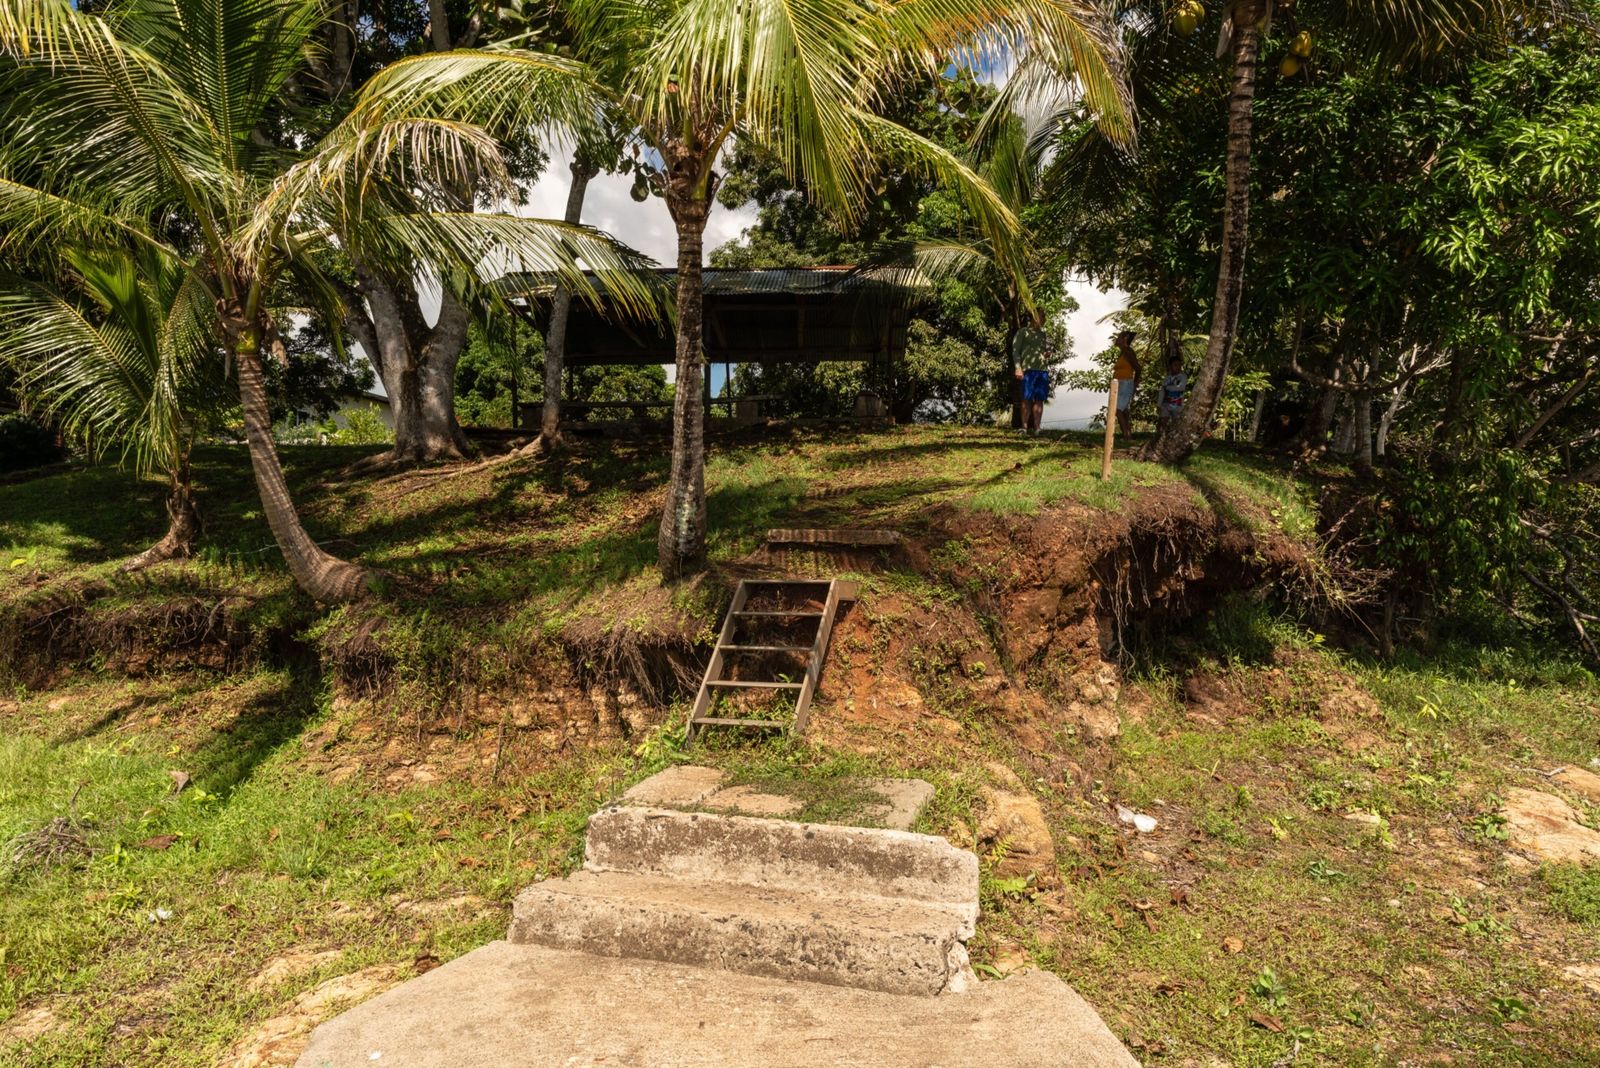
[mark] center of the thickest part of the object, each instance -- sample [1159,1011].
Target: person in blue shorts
[1031,352]
[1035,391]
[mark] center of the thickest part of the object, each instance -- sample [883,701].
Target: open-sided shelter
[765,315]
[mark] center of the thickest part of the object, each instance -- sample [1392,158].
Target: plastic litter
[1142,823]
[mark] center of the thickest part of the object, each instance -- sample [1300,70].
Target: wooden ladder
[838,591]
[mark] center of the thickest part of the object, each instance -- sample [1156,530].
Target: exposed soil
[1021,620]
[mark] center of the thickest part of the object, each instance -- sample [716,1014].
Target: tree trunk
[1363,431]
[183,522]
[681,543]
[323,576]
[437,435]
[1185,433]
[417,364]
[555,341]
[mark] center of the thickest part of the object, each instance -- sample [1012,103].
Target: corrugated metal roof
[722,281]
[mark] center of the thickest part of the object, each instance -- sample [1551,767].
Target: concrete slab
[809,859]
[748,801]
[683,786]
[903,802]
[509,1006]
[875,943]
[689,786]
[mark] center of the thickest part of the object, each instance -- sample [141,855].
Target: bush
[25,444]
[362,426]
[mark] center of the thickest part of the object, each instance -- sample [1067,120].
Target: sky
[647,227]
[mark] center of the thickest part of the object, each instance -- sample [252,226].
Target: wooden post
[1111,431]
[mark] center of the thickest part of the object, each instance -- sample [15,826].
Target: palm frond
[30,216]
[498,88]
[232,57]
[1074,40]
[489,246]
[360,162]
[898,146]
[115,112]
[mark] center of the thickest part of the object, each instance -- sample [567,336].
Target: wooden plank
[786,615]
[772,723]
[702,700]
[765,648]
[789,582]
[847,536]
[802,705]
[753,684]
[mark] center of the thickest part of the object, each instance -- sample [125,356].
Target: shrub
[25,444]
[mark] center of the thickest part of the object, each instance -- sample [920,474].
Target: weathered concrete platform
[875,943]
[815,859]
[516,1006]
[686,786]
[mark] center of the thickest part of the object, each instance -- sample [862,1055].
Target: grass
[1328,869]
[127,948]
[488,567]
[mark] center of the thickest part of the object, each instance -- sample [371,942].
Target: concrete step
[868,942]
[817,860]
[509,1006]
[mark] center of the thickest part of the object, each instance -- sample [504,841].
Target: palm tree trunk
[681,542]
[323,576]
[555,342]
[1187,431]
[183,522]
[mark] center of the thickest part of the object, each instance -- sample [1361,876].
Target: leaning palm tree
[118,350]
[804,79]
[146,127]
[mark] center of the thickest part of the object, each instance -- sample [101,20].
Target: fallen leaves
[159,842]
[180,779]
[1232,944]
[1267,1021]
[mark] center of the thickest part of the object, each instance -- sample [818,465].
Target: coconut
[1289,67]
[1185,22]
[1301,45]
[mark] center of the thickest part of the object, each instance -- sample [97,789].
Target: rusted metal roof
[726,281]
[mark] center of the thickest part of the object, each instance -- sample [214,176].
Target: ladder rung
[754,684]
[788,582]
[788,615]
[776,725]
[766,648]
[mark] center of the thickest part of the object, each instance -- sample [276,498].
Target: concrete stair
[815,934]
[848,906]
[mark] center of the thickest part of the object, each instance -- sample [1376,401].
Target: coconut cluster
[1187,16]
[1299,52]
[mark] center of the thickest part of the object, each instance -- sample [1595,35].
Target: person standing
[1029,354]
[1127,374]
[1173,388]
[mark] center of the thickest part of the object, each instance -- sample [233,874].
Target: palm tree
[118,350]
[1398,31]
[801,78]
[143,128]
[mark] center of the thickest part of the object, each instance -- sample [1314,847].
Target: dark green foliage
[24,444]
[955,367]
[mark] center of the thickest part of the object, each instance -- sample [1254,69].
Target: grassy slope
[1372,963]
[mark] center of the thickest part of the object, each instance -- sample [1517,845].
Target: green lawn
[347,830]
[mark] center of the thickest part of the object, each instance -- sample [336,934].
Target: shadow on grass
[266,722]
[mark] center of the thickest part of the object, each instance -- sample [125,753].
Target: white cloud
[1074,408]
[609,207]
